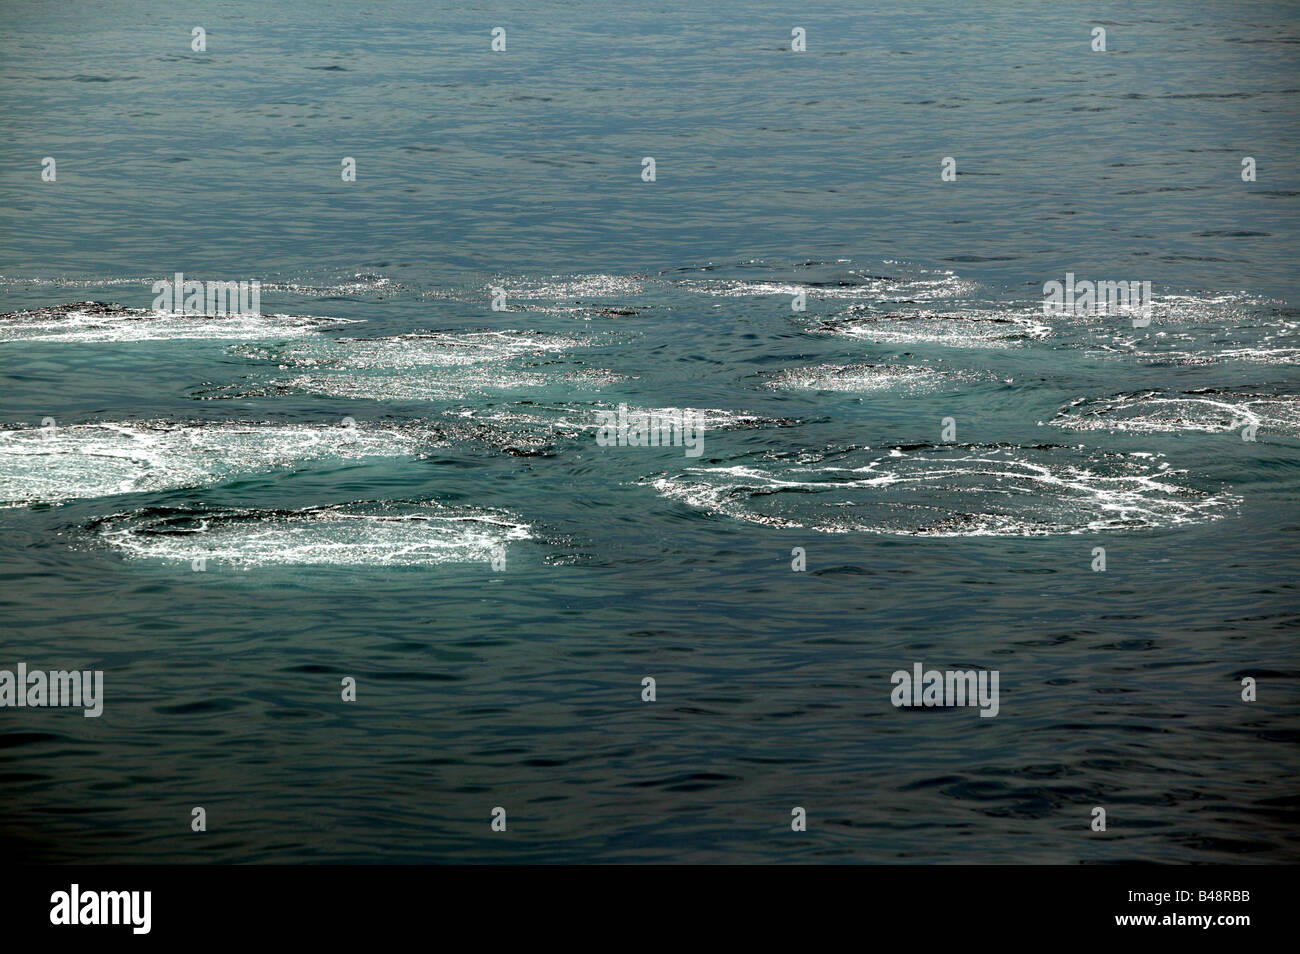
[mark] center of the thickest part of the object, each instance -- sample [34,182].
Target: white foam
[948,491]
[976,328]
[450,384]
[925,285]
[359,283]
[1158,411]
[424,349]
[1192,329]
[856,379]
[95,460]
[574,418]
[427,366]
[570,287]
[95,322]
[385,534]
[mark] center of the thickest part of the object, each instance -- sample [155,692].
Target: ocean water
[230,516]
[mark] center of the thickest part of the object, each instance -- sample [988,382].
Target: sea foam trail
[914,284]
[529,429]
[863,378]
[947,491]
[1209,410]
[99,322]
[1192,329]
[356,285]
[417,350]
[423,366]
[59,463]
[603,295]
[967,328]
[571,288]
[358,534]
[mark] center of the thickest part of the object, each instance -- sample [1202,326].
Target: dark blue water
[343,467]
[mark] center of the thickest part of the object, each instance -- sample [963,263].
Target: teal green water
[230,516]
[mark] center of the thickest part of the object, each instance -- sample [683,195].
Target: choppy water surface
[384,477]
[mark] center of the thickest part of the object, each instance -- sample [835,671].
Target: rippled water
[383,477]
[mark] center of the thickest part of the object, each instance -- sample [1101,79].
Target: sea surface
[229,516]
